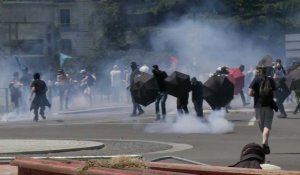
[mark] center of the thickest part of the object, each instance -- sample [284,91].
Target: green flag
[63,58]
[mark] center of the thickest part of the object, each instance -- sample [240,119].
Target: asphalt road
[214,142]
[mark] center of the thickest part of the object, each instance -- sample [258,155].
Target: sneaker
[141,112]
[35,120]
[133,115]
[266,149]
[246,104]
[281,116]
[44,117]
[295,112]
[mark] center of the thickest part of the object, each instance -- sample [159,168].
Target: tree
[108,24]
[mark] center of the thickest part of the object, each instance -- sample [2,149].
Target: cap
[155,66]
[133,64]
[82,71]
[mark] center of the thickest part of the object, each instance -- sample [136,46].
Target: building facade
[40,28]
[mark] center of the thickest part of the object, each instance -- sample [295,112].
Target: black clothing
[40,99]
[281,94]
[132,75]
[197,97]
[160,77]
[197,90]
[252,155]
[182,104]
[136,106]
[258,100]
[162,94]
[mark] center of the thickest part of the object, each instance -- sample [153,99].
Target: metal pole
[6,100]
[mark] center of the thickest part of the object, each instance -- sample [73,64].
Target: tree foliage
[121,24]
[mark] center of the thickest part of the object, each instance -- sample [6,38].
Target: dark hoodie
[252,156]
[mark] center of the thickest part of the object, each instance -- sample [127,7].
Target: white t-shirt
[115,77]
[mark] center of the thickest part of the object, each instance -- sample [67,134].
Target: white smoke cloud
[14,116]
[214,123]
[202,46]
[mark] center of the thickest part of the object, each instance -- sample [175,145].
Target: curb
[94,110]
[99,146]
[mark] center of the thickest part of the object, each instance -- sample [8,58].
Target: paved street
[122,134]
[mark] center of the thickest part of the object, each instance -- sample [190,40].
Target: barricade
[30,166]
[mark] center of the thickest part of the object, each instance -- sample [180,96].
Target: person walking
[197,96]
[262,88]
[134,72]
[162,94]
[282,89]
[40,101]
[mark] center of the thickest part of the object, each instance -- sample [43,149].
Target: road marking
[252,121]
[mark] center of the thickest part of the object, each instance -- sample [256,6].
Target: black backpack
[265,87]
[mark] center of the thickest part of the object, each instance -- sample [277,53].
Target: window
[66,45]
[65,18]
[34,46]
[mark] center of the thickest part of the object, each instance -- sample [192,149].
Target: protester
[62,84]
[282,90]
[15,87]
[197,96]
[126,83]
[40,101]
[25,79]
[262,88]
[222,71]
[115,79]
[134,72]
[162,93]
[182,103]
[242,68]
[87,83]
[252,156]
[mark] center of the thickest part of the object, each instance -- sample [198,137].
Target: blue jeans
[161,97]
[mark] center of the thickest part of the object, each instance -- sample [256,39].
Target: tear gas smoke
[214,123]
[201,47]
